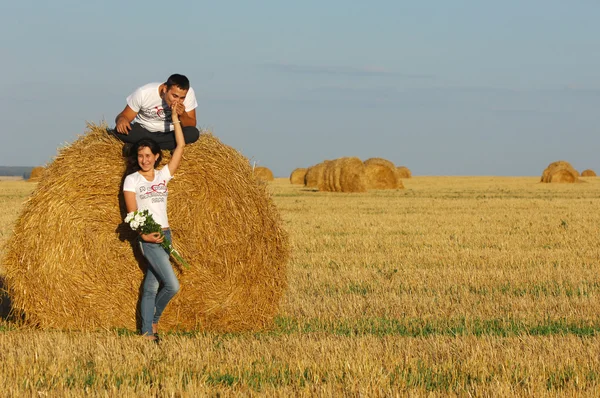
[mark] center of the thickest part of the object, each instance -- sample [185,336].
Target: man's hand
[124,119]
[123,126]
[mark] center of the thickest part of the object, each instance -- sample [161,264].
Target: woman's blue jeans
[160,271]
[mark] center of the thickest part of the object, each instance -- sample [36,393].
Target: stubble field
[487,286]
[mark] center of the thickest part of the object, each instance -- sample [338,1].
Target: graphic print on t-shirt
[156,193]
[158,112]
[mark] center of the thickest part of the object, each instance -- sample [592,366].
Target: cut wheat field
[485,286]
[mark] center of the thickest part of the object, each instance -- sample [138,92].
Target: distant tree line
[23,171]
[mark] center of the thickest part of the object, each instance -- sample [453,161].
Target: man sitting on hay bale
[149,108]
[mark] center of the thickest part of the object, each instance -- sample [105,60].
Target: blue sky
[444,88]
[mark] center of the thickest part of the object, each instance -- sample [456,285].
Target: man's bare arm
[124,119]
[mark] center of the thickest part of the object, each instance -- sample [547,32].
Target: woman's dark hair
[178,80]
[132,161]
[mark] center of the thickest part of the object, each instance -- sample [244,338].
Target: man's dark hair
[179,81]
[132,162]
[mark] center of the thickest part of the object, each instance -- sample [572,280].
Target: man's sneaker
[127,149]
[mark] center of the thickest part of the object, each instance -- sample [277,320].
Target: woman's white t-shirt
[151,195]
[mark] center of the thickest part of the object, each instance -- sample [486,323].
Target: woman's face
[146,158]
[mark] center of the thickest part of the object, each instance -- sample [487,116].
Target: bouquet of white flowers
[143,222]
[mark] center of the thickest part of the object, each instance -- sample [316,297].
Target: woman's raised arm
[179,140]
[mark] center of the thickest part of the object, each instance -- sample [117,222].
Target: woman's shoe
[152,338]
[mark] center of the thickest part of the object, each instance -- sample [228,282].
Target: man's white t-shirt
[151,195]
[152,113]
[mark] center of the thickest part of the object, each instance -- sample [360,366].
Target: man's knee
[117,135]
[191,134]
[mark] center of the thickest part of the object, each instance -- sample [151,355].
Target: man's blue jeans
[160,271]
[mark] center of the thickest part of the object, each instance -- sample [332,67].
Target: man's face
[174,95]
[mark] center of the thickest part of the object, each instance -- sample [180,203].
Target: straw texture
[73,264]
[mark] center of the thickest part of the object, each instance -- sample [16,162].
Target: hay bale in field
[297,176]
[562,176]
[344,175]
[381,176]
[588,173]
[314,175]
[403,172]
[380,161]
[378,174]
[71,262]
[263,174]
[36,174]
[560,171]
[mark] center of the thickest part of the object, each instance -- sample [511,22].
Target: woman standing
[146,188]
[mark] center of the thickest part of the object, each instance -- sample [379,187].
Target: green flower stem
[168,246]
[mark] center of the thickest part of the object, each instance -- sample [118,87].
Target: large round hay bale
[403,172]
[314,175]
[73,264]
[588,173]
[263,174]
[36,174]
[560,171]
[344,175]
[381,176]
[297,176]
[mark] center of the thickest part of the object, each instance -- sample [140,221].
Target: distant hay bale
[381,161]
[73,264]
[297,176]
[263,174]
[36,174]
[344,175]
[562,176]
[403,172]
[314,175]
[588,173]
[379,176]
[560,171]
